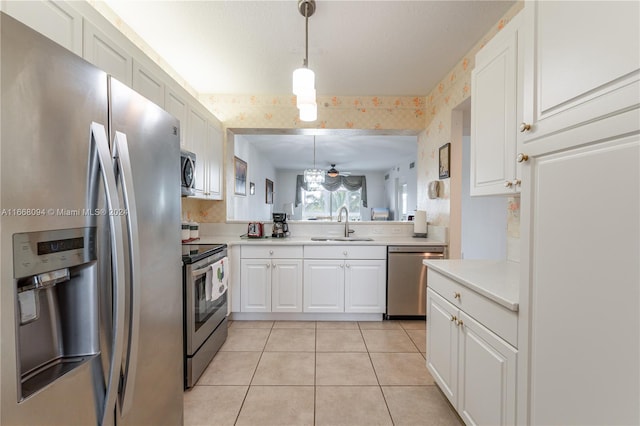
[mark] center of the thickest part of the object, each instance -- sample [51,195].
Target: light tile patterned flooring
[322,373]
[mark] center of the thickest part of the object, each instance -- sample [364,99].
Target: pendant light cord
[306,35]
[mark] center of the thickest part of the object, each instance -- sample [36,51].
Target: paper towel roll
[420,222]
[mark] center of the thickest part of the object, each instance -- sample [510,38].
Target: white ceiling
[356,48]
[347,152]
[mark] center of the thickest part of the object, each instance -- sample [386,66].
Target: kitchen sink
[341,239]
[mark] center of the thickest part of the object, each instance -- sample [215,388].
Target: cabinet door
[323,286]
[286,285]
[582,63]
[255,285]
[442,344]
[365,286]
[53,19]
[103,52]
[148,84]
[197,142]
[493,114]
[584,302]
[176,105]
[487,376]
[213,156]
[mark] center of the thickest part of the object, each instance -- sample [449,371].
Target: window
[324,205]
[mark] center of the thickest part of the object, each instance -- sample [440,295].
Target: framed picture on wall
[240,175]
[269,192]
[445,157]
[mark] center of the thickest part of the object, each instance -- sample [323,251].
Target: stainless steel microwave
[187,172]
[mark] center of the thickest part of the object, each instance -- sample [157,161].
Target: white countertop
[377,241]
[497,280]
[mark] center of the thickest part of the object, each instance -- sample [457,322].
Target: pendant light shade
[313,177]
[304,80]
[304,86]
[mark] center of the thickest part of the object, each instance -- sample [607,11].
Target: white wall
[254,207]
[286,191]
[484,219]
[401,173]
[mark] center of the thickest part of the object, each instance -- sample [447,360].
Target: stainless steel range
[204,274]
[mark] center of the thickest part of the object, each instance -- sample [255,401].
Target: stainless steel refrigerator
[90,292]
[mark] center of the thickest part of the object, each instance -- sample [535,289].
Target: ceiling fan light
[309,112]
[332,172]
[306,98]
[303,80]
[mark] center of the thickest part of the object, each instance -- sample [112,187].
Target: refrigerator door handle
[123,161]
[100,157]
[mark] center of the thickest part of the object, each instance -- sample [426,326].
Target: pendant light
[332,172]
[314,177]
[303,77]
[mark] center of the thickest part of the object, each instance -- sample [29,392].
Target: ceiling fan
[333,172]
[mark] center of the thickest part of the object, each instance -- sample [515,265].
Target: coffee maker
[280,226]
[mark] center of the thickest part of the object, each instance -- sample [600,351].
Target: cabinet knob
[273,265]
[522,158]
[345,253]
[453,318]
[459,323]
[517,182]
[525,127]
[456,295]
[348,266]
[508,184]
[270,251]
[268,265]
[342,266]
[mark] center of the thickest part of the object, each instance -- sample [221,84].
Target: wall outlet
[396,230]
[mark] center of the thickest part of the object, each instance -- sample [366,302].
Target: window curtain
[351,183]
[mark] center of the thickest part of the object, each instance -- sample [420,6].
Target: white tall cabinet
[493,114]
[579,328]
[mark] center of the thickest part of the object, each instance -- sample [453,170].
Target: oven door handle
[201,271]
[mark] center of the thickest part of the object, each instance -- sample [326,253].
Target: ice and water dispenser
[57,314]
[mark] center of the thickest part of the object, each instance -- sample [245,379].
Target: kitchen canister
[185,231]
[193,230]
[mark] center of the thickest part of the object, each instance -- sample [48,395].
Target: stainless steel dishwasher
[407,280]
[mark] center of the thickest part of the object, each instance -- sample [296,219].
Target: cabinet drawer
[345,252]
[267,252]
[495,317]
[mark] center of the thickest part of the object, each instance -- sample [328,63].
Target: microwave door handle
[100,165]
[122,159]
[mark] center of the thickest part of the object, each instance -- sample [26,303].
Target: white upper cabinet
[53,19]
[213,153]
[582,64]
[101,50]
[176,105]
[148,83]
[197,138]
[493,114]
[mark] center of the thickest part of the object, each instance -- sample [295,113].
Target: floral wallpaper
[334,112]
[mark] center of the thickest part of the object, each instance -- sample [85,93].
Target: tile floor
[319,373]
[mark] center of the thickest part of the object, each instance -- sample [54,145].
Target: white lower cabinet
[271,279]
[345,279]
[474,367]
[323,286]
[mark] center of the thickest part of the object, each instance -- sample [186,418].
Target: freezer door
[50,97]
[153,362]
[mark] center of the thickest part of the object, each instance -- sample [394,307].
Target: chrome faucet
[347,231]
